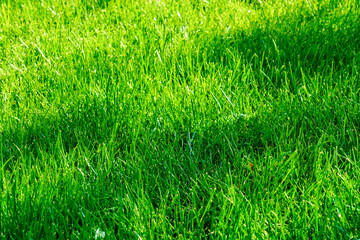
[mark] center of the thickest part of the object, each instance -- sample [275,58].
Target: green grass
[140,119]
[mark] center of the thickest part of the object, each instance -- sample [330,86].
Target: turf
[179,119]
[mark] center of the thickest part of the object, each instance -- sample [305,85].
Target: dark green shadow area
[325,41]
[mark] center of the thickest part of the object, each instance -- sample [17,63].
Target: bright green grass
[140,118]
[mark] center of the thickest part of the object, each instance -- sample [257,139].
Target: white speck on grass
[179,15]
[227,30]
[23,43]
[159,55]
[99,233]
[138,235]
[88,163]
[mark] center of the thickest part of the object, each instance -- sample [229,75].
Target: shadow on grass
[95,122]
[304,42]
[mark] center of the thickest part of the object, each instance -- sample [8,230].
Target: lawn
[192,119]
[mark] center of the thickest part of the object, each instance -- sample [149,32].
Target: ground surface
[161,120]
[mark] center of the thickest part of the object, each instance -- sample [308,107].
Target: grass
[139,119]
